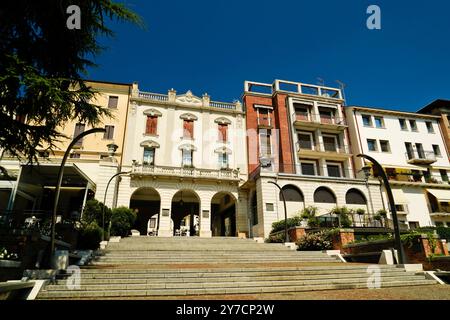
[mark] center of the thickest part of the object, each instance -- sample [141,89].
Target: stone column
[242,213]
[205,215]
[165,215]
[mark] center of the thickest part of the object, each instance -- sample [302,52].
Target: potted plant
[309,218]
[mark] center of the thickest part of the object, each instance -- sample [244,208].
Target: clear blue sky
[213,46]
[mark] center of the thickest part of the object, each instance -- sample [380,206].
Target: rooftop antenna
[320,81]
[342,87]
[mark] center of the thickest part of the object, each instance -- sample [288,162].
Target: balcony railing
[420,157]
[228,174]
[325,119]
[153,96]
[322,147]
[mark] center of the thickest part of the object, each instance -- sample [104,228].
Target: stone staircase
[179,266]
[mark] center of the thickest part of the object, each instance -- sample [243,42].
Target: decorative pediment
[222,120]
[188,116]
[187,146]
[223,150]
[152,112]
[149,144]
[189,98]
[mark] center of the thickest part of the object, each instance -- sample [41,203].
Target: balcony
[185,172]
[320,150]
[420,157]
[321,120]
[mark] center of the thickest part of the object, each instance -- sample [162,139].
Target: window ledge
[150,135]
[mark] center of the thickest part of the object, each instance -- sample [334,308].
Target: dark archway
[147,202]
[185,213]
[223,215]
[324,195]
[355,196]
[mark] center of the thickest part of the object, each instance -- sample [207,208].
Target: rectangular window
[326,115]
[400,207]
[187,158]
[409,150]
[74,155]
[79,128]
[265,143]
[264,117]
[430,128]
[330,143]
[379,122]
[384,146]
[188,129]
[413,125]
[269,207]
[308,168]
[305,141]
[334,170]
[444,175]
[436,150]
[112,102]
[420,151]
[372,144]
[223,160]
[223,132]
[149,156]
[152,223]
[367,120]
[109,134]
[301,112]
[403,124]
[151,125]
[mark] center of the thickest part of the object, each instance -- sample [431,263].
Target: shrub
[277,238]
[122,220]
[443,232]
[90,236]
[291,222]
[360,212]
[309,213]
[343,214]
[93,213]
[315,241]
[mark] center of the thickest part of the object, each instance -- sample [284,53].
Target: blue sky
[213,46]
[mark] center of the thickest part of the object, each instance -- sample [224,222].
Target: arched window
[354,196]
[292,193]
[324,195]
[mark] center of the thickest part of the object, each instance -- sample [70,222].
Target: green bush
[343,214]
[291,222]
[122,220]
[443,232]
[92,212]
[277,238]
[89,236]
[309,213]
[315,241]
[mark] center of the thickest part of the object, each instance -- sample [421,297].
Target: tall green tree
[42,65]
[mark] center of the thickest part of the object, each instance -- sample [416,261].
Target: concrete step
[207,261]
[219,290]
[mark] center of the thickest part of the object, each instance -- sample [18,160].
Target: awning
[441,195]
[399,196]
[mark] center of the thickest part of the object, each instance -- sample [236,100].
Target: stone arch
[146,201]
[355,196]
[185,212]
[223,214]
[324,195]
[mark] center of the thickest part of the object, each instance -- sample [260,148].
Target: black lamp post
[286,235]
[382,173]
[104,199]
[59,181]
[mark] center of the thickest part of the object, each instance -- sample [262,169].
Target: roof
[392,112]
[436,104]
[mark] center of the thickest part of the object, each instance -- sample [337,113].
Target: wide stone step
[207,261]
[220,290]
[117,279]
[193,247]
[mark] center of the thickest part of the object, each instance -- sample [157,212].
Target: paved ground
[433,292]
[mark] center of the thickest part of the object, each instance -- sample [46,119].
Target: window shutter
[223,132]
[188,127]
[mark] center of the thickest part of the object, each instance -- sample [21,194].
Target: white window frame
[269,110]
[375,122]
[271,144]
[310,162]
[336,141]
[376,145]
[311,135]
[182,157]
[335,164]
[370,118]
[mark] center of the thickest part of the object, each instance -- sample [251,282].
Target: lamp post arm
[382,173]
[59,181]
[286,235]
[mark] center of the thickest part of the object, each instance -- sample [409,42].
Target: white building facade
[412,150]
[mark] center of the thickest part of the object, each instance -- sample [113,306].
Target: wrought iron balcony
[188,172]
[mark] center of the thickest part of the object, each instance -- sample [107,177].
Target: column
[165,214]
[205,214]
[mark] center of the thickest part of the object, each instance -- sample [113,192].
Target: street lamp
[59,181]
[286,235]
[382,173]
[104,199]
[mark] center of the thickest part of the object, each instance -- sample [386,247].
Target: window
[291,193]
[400,207]
[305,141]
[188,129]
[444,175]
[413,224]
[109,134]
[187,157]
[223,160]
[354,196]
[334,170]
[409,150]
[429,125]
[413,125]
[264,117]
[379,122]
[74,155]
[79,128]
[151,125]
[367,120]
[384,146]
[436,150]
[152,223]
[308,168]
[265,143]
[149,156]
[326,115]
[223,132]
[403,124]
[269,207]
[330,143]
[301,112]
[372,144]
[112,102]
[324,195]
[420,151]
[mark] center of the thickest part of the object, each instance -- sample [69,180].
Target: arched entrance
[147,202]
[223,215]
[185,213]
